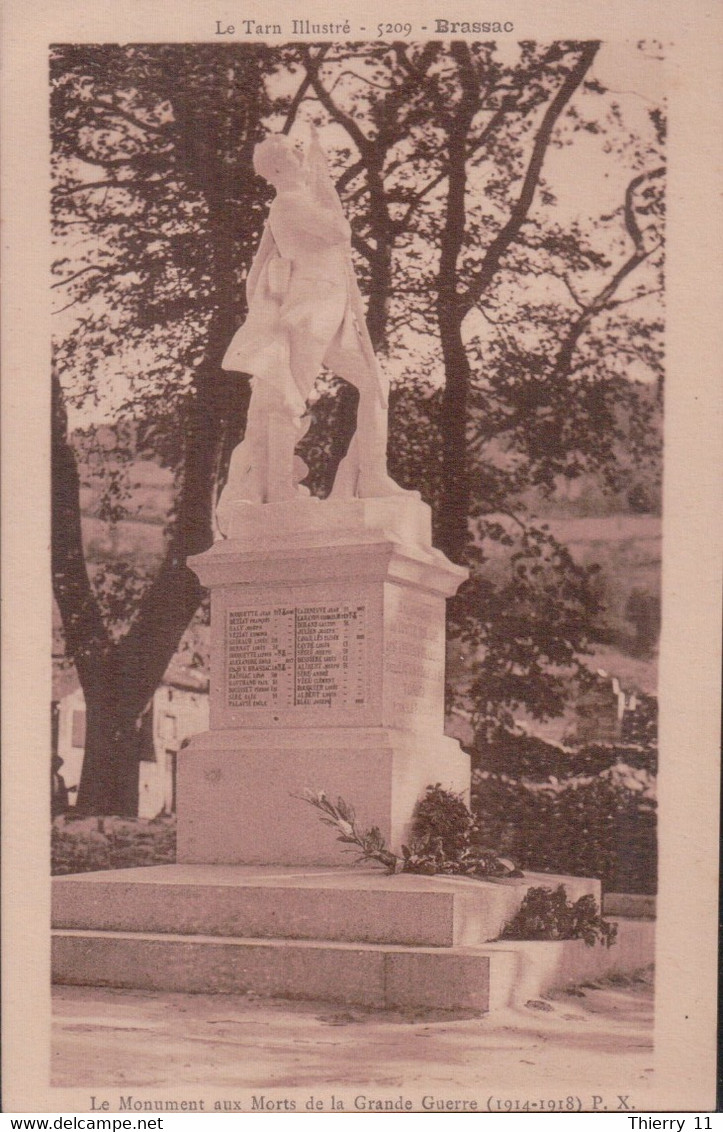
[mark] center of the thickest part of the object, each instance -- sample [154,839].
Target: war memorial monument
[327,674]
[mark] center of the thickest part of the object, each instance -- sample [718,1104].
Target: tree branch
[86,186]
[363,246]
[83,271]
[603,297]
[110,107]
[595,307]
[362,142]
[483,276]
[640,295]
[165,610]
[301,92]
[452,235]
[85,634]
[401,224]
[348,175]
[631,221]
[359,78]
[576,298]
[89,159]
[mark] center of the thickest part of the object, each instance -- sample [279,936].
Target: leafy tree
[155,201]
[448,146]
[445,172]
[156,215]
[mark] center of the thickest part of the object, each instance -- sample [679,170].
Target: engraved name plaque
[260,657]
[297,656]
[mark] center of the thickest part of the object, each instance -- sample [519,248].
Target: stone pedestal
[327,673]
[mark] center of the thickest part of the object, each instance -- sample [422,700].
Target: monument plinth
[327,673]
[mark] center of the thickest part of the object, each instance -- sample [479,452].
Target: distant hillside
[625,544]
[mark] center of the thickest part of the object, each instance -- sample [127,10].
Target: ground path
[599,1038]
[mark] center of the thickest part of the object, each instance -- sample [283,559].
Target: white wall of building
[178,713]
[71,740]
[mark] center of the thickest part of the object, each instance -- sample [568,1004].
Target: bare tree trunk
[109,781]
[119,678]
[453,519]
[451,306]
[454,510]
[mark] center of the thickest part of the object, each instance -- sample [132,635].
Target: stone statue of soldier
[305,311]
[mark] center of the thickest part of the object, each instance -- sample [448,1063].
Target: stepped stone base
[359,906]
[368,975]
[359,937]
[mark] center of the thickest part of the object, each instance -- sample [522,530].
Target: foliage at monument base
[95,844]
[547,914]
[600,825]
[444,838]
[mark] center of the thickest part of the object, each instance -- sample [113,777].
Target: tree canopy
[516,329]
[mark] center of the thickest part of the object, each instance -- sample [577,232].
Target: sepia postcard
[361,557]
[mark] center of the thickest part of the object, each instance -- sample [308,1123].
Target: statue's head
[276,158]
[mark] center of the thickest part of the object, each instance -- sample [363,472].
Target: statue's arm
[265,249]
